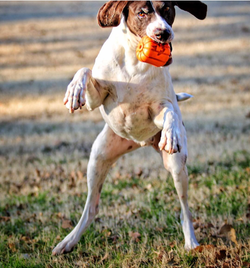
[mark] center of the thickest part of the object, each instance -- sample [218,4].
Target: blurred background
[43,44]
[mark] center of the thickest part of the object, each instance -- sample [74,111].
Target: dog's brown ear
[110,13]
[196,8]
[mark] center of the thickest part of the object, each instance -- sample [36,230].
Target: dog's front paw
[170,135]
[170,141]
[75,94]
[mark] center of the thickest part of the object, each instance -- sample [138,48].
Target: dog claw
[75,94]
[170,141]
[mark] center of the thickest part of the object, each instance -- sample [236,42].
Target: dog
[136,100]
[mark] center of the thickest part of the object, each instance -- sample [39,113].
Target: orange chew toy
[154,53]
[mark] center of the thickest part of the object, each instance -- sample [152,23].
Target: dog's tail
[183,96]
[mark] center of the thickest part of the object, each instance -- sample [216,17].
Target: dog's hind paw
[63,248]
[191,245]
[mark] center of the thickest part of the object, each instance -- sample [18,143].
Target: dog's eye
[142,14]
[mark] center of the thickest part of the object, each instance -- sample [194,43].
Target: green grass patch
[31,225]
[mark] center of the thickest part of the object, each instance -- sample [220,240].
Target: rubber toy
[154,53]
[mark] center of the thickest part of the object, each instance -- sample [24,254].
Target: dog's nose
[162,34]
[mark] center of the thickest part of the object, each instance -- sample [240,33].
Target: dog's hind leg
[107,148]
[175,164]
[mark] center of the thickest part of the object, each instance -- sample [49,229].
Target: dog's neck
[129,39]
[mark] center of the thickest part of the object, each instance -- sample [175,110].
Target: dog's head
[152,18]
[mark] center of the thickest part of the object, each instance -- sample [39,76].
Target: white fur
[159,23]
[137,101]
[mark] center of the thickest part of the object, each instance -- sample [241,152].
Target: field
[44,150]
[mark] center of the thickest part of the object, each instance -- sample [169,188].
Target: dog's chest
[130,107]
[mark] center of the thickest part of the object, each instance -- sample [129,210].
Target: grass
[138,224]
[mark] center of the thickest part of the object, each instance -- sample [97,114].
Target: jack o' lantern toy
[154,53]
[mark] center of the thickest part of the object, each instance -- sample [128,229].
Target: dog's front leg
[84,89]
[169,122]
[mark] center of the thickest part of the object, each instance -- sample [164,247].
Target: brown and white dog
[137,102]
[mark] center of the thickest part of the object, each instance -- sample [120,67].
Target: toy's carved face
[152,18]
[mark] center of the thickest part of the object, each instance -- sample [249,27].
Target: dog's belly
[130,121]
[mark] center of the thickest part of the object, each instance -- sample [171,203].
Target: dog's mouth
[154,53]
[158,39]
[170,58]
[162,37]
